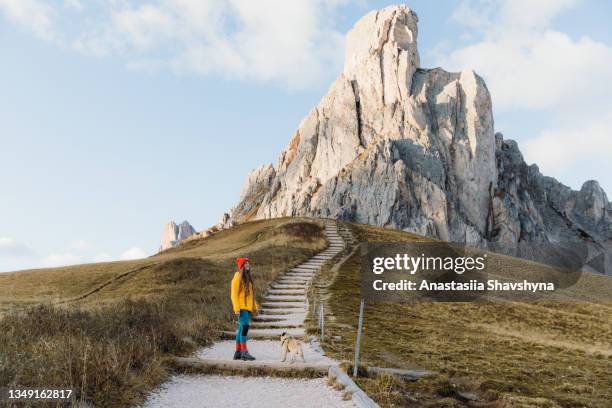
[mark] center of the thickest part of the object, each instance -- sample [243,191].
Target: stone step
[299,274]
[314,262]
[303,271]
[282,314]
[285,298]
[268,318]
[312,266]
[306,268]
[293,282]
[306,281]
[327,257]
[277,286]
[276,312]
[296,369]
[274,325]
[310,269]
[284,305]
[322,258]
[262,350]
[286,292]
[292,318]
[293,279]
[275,333]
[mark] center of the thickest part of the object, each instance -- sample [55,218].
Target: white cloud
[61,259]
[35,15]
[14,249]
[504,14]
[15,255]
[133,253]
[291,42]
[566,151]
[103,257]
[526,63]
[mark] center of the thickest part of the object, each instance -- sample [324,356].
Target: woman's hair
[246,282]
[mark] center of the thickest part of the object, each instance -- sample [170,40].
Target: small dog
[291,345]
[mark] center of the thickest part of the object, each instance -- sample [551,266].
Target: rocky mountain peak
[173,234]
[396,145]
[385,41]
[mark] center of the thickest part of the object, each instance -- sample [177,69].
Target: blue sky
[119,116]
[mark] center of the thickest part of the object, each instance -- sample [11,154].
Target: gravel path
[263,350]
[221,391]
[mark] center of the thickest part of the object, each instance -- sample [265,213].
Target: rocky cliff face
[395,145]
[175,233]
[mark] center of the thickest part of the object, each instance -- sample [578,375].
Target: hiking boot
[246,356]
[238,355]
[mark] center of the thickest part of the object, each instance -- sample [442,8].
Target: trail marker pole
[322,317]
[358,342]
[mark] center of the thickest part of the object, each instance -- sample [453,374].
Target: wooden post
[358,342]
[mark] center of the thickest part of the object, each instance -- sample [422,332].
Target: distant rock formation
[173,234]
[395,145]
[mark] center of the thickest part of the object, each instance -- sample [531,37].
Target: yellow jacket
[239,300]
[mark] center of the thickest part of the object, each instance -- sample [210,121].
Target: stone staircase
[285,305]
[284,308]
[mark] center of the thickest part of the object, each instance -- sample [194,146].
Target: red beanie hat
[241,261]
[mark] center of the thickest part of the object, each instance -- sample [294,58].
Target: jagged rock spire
[396,145]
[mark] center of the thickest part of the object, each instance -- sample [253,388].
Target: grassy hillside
[106,329]
[507,354]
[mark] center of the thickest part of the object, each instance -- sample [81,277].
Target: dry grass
[108,329]
[508,354]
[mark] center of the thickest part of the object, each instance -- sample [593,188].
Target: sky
[117,117]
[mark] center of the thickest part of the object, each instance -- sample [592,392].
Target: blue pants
[244,319]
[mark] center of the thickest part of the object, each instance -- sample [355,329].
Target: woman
[243,301]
